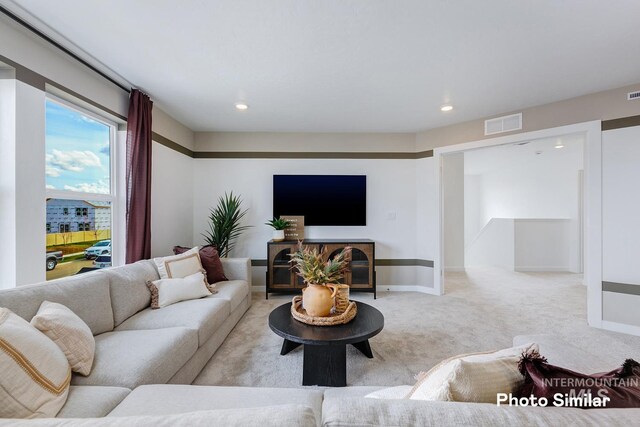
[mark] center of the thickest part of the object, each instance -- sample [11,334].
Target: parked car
[53,258]
[102,261]
[103,247]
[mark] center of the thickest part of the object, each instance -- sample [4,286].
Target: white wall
[543,245]
[8,212]
[391,191]
[171,200]
[453,210]
[426,228]
[23,186]
[621,222]
[494,246]
[532,181]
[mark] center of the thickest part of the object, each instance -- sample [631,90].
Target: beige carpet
[482,310]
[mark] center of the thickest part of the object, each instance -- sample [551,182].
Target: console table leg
[364,348]
[325,365]
[287,346]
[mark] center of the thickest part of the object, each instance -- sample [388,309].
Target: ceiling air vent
[633,95]
[503,124]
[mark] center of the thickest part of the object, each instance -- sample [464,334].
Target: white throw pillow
[165,292]
[181,265]
[477,377]
[34,372]
[397,392]
[69,332]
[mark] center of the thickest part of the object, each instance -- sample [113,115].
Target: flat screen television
[322,199]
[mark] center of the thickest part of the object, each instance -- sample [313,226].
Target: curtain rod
[59,46]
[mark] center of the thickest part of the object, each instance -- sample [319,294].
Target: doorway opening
[526,204]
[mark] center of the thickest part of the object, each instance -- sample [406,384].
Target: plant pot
[318,300]
[278,235]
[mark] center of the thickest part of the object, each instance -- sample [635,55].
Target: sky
[77,151]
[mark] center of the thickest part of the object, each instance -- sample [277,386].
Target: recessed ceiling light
[241,106]
[559,144]
[446,108]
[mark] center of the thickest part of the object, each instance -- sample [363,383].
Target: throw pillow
[477,377]
[621,386]
[189,266]
[210,262]
[69,332]
[397,392]
[35,372]
[165,292]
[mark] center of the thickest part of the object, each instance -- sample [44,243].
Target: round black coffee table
[325,347]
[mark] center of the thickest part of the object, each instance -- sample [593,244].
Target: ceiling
[350,65]
[534,153]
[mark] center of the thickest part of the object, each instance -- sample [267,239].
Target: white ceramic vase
[278,235]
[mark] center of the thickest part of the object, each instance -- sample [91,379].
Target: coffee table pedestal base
[325,365]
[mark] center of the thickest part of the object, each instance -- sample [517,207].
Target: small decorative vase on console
[318,300]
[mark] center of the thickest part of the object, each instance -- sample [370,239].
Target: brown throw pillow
[558,385]
[210,262]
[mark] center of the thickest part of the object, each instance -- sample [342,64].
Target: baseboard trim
[620,327]
[398,288]
[543,269]
[407,288]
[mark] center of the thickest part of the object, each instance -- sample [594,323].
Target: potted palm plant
[225,223]
[321,275]
[279,225]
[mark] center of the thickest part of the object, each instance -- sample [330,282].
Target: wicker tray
[300,314]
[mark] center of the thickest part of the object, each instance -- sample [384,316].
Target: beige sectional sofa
[136,345]
[140,351]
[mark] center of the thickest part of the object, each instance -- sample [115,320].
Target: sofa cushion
[476,377]
[175,399]
[574,355]
[70,334]
[270,416]
[233,291]
[128,285]
[87,295]
[161,262]
[204,316]
[86,401]
[376,412]
[210,260]
[131,358]
[35,373]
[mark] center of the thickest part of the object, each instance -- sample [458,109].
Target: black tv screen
[322,199]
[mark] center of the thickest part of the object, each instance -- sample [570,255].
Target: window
[79,182]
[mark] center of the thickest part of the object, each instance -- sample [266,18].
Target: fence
[77,237]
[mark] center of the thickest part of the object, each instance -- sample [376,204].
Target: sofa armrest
[237,269]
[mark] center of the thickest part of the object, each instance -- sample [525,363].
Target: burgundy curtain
[139,177]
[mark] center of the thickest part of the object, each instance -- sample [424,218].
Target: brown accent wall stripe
[38,81]
[624,122]
[172,145]
[308,155]
[379,262]
[621,288]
